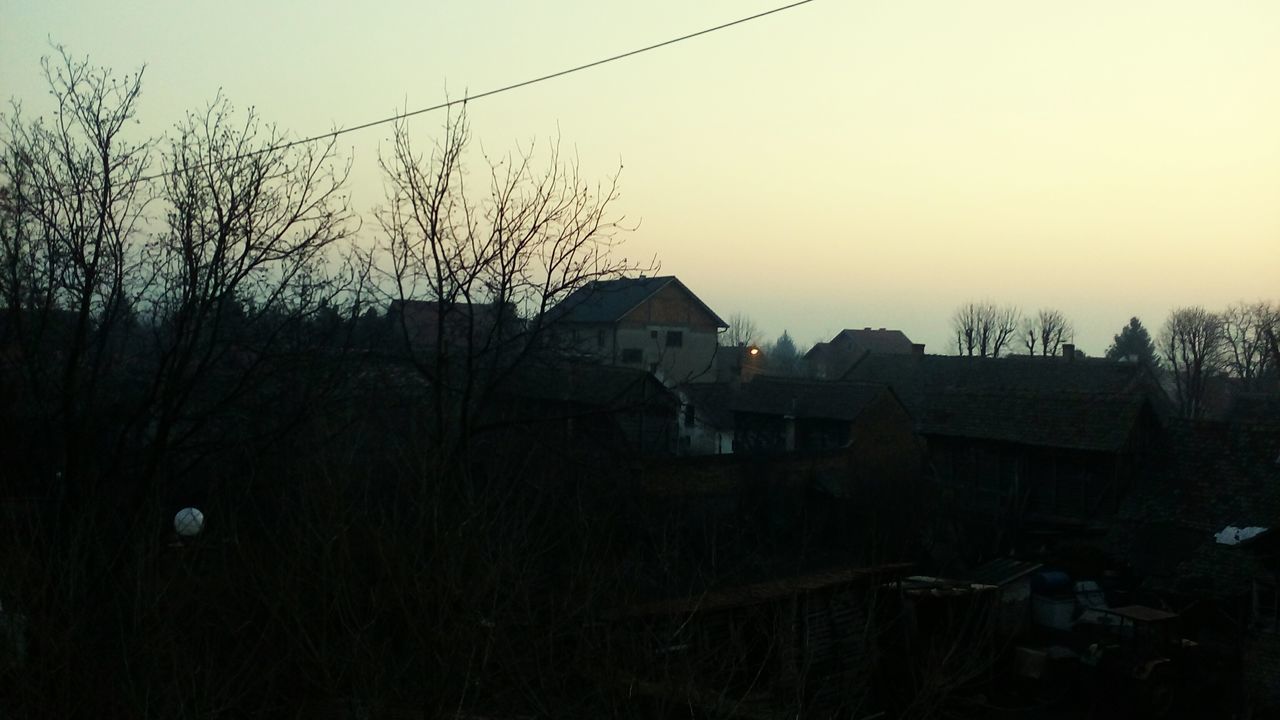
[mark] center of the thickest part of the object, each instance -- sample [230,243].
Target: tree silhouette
[1134,341]
[1192,344]
[488,259]
[742,331]
[983,328]
[783,357]
[1246,328]
[1048,329]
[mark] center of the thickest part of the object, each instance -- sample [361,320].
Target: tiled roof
[1053,402]
[607,301]
[1076,420]
[877,341]
[589,384]
[712,401]
[1204,477]
[806,398]
[799,398]
[1223,474]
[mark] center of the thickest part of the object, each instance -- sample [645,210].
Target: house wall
[1002,489]
[885,439]
[759,433]
[867,504]
[650,429]
[699,435]
[647,326]
[693,360]
[595,340]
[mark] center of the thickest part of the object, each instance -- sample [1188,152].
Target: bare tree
[1245,329]
[1048,329]
[140,328]
[742,331]
[1273,346]
[983,328]
[1192,345]
[488,264]
[70,247]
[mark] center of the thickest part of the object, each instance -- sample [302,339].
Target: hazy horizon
[836,165]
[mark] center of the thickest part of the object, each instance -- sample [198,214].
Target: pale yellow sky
[840,164]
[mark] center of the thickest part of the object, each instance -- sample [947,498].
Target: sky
[841,164]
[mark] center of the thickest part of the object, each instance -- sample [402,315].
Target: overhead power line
[470,98]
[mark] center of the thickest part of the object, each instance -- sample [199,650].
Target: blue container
[1051,582]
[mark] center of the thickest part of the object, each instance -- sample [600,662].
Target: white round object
[188,522]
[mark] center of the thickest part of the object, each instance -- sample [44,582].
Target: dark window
[675,338]
[631,355]
[653,334]
[689,415]
[600,338]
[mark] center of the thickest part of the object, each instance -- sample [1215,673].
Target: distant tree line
[1194,346]
[1240,343]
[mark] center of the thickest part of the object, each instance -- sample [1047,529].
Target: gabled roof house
[649,323]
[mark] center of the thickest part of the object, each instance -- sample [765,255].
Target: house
[648,323]
[1028,451]
[830,360]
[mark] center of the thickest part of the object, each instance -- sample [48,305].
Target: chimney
[866,328]
[917,348]
[1069,351]
[881,329]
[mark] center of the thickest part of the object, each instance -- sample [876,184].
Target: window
[600,337]
[631,355]
[653,334]
[675,338]
[689,415]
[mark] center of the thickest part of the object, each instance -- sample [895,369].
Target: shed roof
[589,384]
